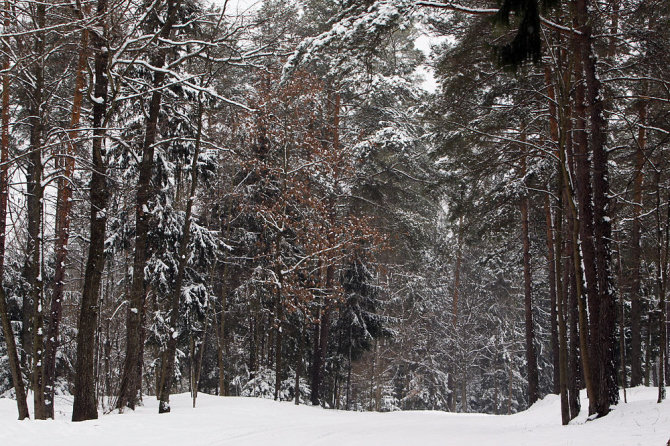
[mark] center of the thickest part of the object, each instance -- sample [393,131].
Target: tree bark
[551,251]
[34,205]
[531,357]
[603,339]
[12,352]
[85,404]
[635,248]
[64,205]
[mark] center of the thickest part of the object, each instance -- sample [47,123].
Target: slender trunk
[576,258]
[531,358]
[572,311]
[661,281]
[130,380]
[451,399]
[564,198]
[510,394]
[316,358]
[85,404]
[279,322]
[560,307]
[64,206]
[553,302]
[221,330]
[298,364]
[34,204]
[168,375]
[551,251]
[12,352]
[635,249]
[198,362]
[348,406]
[622,340]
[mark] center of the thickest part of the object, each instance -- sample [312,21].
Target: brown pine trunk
[531,357]
[551,261]
[560,281]
[663,256]
[603,338]
[572,311]
[451,399]
[553,314]
[64,205]
[635,248]
[588,326]
[12,352]
[85,405]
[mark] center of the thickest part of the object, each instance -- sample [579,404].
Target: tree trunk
[531,358]
[85,404]
[451,398]
[34,205]
[553,314]
[64,205]
[12,352]
[168,365]
[661,282]
[635,248]
[560,303]
[551,251]
[604,338]
[298,363]
[130,380]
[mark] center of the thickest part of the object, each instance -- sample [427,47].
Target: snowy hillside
[251,421]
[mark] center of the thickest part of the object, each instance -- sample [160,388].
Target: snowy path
[250,421]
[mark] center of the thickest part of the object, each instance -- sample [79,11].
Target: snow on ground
[252,421]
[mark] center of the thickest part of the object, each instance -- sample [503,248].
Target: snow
[255,421]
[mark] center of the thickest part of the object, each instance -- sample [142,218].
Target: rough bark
[635,248]
[531,357]
[551,261]
[603,319]
[8,332]
[85,403]
[64,204]
[34,205]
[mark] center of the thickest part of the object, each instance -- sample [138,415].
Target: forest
[367,205]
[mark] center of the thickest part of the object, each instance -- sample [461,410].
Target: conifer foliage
[276,203]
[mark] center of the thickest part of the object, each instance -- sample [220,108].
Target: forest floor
[252,421]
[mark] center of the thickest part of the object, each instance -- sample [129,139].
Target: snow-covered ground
[251,421]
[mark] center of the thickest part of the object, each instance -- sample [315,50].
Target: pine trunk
[635,248]
[603,338]
[34,205]
[85,404]
[64,204]
[12,352]
[531,357]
